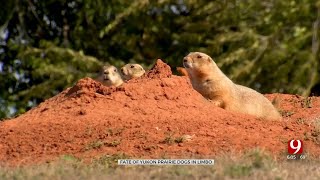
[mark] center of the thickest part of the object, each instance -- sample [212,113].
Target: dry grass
[98,144]
[252,165]
[307,102]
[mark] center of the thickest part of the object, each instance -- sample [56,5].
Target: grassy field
[252,165]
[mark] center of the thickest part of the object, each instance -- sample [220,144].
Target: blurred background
[46,46]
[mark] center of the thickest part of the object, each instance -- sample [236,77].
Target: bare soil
[156,116]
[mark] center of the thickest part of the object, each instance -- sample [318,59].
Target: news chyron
[295,150]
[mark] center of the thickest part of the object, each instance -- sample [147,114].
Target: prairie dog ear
[209,59]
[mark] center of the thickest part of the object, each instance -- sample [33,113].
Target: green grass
[252,165]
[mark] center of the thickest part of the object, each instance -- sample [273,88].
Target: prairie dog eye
[199,56]
[132,66]
[115,70]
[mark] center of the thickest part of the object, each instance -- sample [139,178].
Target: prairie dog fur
[213,84]
[130,71]
[110,76]
[182,71]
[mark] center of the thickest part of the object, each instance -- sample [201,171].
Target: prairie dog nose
[185,59]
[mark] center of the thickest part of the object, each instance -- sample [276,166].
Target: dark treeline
[46,46]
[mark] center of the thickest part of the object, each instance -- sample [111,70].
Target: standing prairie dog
[110,76]
[213,84]
[130,71]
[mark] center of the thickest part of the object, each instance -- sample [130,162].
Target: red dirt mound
[149,117]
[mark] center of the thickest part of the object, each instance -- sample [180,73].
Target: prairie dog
[182,71]
[130,71]
[110,76]
[213,84]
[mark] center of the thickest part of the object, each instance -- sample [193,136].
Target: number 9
[297,148]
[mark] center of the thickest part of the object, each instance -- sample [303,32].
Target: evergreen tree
[46,46]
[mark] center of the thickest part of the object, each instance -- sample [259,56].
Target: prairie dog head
[111,76]
[130,71]
[199,65]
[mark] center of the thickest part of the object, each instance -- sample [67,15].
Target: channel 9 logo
[295,149]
